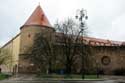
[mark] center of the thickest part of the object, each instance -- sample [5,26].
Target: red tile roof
[38,18]
[101,42]
[123,43]
[94,41]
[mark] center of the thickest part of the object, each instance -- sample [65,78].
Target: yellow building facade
[13,47]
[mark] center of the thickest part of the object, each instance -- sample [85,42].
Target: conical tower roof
[38,18]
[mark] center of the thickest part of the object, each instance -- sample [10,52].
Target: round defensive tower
[37,23]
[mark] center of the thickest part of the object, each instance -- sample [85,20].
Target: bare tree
[42,53]
[71,38]
[5,57]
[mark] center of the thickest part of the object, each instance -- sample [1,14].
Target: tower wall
[28,34]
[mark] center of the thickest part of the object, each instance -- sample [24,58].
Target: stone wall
[110,58]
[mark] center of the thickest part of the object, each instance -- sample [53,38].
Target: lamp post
[97,68]
[81,16]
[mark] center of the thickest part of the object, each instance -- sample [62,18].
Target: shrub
[119,71]
[4,76]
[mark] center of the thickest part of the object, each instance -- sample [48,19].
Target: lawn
[55,76]
[3,76]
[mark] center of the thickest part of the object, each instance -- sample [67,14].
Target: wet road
[50,81]
[33,79]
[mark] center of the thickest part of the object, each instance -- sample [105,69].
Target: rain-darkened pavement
[33,79]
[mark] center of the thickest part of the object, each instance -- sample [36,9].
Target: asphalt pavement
[34,79]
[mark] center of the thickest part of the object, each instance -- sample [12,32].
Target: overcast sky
[106,17]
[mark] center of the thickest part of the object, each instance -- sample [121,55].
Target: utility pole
[82,17]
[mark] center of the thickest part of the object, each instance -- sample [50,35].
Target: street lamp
[81,16]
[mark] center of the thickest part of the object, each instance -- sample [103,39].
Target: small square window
[29,35]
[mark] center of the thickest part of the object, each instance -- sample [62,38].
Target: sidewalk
[23,78]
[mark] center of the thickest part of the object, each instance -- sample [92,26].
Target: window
[29,35]
[105,60]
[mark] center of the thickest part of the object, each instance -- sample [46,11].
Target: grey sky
[106,17]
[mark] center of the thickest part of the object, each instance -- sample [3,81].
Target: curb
[72,79]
